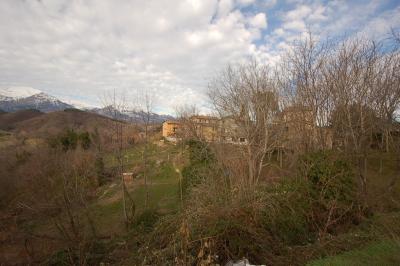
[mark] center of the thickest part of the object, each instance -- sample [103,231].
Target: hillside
[55,122]
[8,120]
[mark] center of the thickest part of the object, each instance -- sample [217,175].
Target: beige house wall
[170,128]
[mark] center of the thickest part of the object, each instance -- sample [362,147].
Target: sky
[80,50]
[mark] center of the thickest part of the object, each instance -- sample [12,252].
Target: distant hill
[52,123]
[32,126]
[8,120]
[23,98]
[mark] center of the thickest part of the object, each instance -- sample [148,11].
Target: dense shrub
[329,178]
[146,220]
[200,165]
[331,190]
[96,253]
[100,169]
[222,222]
[69,140]
[285,212]
[85,140]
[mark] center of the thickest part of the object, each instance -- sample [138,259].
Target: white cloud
[83,48]
[224,7]
[298,25]
[268,3]
[318,14]
[246,2]
[279,32]
[259,21]
[300,12]
[382,25]
[303,16]
[72,48]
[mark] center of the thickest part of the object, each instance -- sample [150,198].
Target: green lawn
[162,197]
[377,253]
[133,156]
[163,188]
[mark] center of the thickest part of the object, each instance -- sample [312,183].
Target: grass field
[163,187]
[378,253]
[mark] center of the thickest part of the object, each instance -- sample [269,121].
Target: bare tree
[395,35]
[59,191]
[145,108]
[115,106]
[187,129]
[352,74]
[304,87]
[360,93]
[248,94]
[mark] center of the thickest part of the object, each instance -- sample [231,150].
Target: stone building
[206,128]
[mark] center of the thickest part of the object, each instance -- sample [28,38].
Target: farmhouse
[207,128]
[170,129]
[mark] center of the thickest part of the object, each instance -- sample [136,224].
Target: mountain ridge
[131,116]
[14,99]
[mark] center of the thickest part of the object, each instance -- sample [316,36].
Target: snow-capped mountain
[21,98]
[110,112]
[79,104]
[140,116]
[131,116]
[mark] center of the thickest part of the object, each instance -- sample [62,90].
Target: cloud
[302,16]
[299,13]
[334,19]
[81,49]
[298,25]
[224,7]
[259,21]
[73,47]
[246,2]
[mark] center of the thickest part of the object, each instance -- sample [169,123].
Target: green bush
[92,252]
[285,212]
[69,140]
[331,190]
[59,258]
[85,140]
[200,165]
[329,178]
[146,219]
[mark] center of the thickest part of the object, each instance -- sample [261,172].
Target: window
[242,139]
